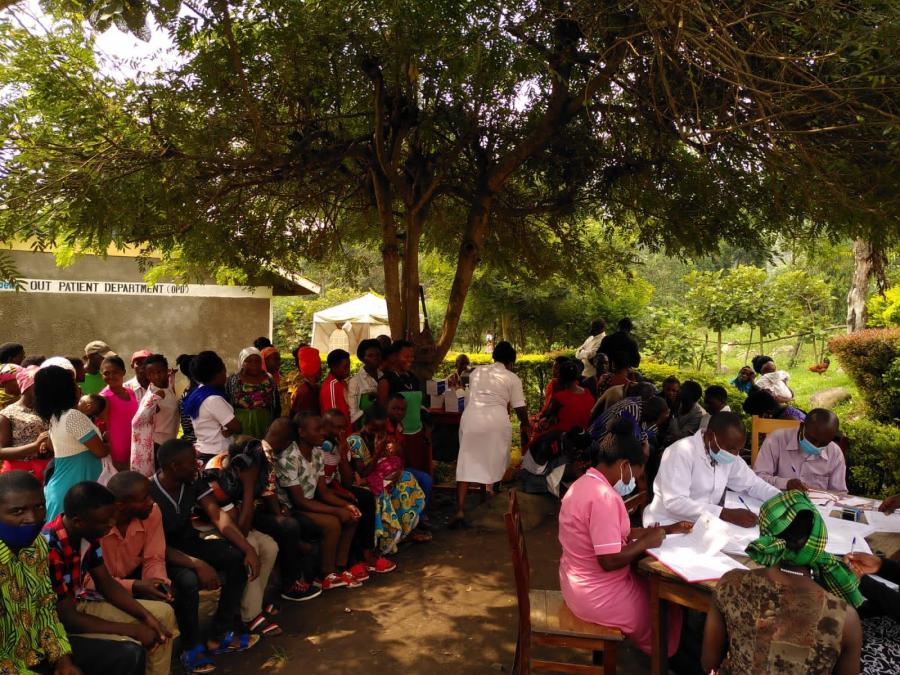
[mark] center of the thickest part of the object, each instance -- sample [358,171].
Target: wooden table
[666,587]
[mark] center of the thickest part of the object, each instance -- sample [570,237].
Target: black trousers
[104,657]
[364,539]
[287,532]
[229,563]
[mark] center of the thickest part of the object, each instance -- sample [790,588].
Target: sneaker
[350,580]
[301,591]
[333,580]
[360,572]
[382,566]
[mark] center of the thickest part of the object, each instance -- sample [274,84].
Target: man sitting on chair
[804,458]
[696,470]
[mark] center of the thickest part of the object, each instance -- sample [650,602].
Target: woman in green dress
[253,394]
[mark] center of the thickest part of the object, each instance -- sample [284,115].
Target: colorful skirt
[397,512]
[254,422]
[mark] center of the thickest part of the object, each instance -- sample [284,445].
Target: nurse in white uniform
[485,433]
[695,472]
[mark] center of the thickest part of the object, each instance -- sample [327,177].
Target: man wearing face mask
[804,458]
[695,472]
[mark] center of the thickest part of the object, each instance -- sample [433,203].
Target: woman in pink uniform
[121,405]
[599,544]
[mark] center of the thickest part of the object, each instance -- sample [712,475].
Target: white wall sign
[137,288]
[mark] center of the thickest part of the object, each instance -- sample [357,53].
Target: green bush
[873,463]
[872,360]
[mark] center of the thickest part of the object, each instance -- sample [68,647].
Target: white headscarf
[60,361]
[246,354]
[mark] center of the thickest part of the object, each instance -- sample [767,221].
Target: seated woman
[687,414]
[771,379]
[880,613]
[599,544]
[253,394]
[399,500]
[796,614]
[763,404]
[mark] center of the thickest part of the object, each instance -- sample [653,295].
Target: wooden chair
[761,425]
[544,618]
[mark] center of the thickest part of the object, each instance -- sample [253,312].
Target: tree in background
[482,129]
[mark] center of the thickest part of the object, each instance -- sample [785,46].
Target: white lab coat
[586,352]
[485,434]
[689,482]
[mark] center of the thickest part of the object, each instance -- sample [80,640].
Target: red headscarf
[309,362]
[266,353]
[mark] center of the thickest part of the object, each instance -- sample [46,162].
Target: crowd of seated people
[121,500]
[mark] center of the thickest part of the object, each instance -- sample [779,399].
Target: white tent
[344,326]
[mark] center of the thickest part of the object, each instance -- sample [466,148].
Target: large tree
[488,130]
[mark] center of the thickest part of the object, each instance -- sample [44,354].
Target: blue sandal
[246,641]
[196,662]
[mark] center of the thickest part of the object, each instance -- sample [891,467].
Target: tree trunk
[762,341]
[411,323]
[703,351]
[390,253]
[749,344]
[859,286]
[718,352]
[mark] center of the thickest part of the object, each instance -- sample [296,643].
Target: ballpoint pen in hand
[745,504]
[852,545]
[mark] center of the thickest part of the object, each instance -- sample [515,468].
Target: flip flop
[245,642]
[196,661]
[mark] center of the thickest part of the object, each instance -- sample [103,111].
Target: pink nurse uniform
[593,521]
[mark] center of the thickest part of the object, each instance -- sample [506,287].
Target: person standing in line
[156,420]
[485,434]
[121,406]
[622,341]
[139,383]
[253,393]
[585,353]
[94,353]
[211,414]
[24,438]
[362,388]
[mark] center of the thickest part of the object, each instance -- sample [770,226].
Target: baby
[92,405]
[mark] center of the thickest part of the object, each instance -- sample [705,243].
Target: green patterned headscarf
[774,518]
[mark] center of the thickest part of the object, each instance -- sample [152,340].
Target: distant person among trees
[253,393]
[622,341]
[305,395]
[212,416]
[670,388]
[687,415]
[485,435]
[121,406]
[772,380]
[599,545]
[462,368]
[94,353]
[744,380]
[763,404]
[362,388]
[804,458]
[585,353]
[602,376]
[77,446]
[715,400]
[262,342]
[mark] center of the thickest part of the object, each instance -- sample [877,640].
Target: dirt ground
[450,606]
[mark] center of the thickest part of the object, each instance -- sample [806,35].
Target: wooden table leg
[659,658]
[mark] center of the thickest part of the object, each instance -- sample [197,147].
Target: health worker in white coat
[485,434]
[695,472]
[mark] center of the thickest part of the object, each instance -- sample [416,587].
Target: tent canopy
[344,326]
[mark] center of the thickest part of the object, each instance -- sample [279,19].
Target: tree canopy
[489,131]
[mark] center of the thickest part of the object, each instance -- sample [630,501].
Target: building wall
[62,323]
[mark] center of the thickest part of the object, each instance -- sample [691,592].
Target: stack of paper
[697,556]
[883,522]
[847,535]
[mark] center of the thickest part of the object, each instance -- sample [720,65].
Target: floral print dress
[398,506]
[255,405]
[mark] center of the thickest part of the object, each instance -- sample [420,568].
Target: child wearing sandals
[300,472]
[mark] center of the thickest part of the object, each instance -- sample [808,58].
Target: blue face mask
[19,536]
[327,446]
[623,488]
[720,456]
[809,448]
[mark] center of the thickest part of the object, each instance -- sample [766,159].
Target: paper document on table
[708,536]
[733,501]
[691,566]
[821,497]
[883,522]
[850,500]
[841,535]
[739,538]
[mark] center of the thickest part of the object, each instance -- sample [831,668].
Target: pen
[852,545]
[793,469]
[745,504]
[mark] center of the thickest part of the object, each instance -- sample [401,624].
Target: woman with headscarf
[796,614]
[305,390]
[272,365]
[24,438]
[253,393]
[9,387]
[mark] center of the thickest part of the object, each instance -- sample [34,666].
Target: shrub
[873,463]
[872,360]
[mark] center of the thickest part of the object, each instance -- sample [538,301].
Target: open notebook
[698,556]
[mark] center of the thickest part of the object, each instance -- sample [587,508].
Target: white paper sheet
[856,501]
[709,536]
[739,537]
[694,567]
[841,534]
[733,501]
[883,522]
